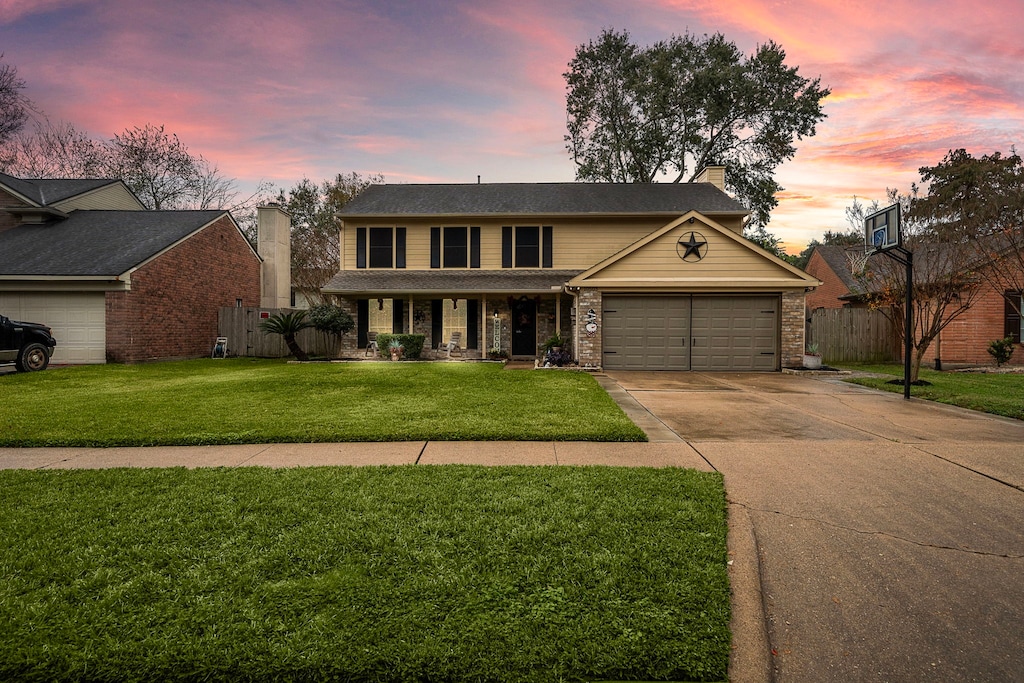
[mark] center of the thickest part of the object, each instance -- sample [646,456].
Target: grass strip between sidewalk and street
[454,573]
[989,392]
[270,401]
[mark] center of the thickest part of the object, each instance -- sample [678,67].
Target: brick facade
[172,307]
[793,329]
[591,346]
[965,340]
[827,294]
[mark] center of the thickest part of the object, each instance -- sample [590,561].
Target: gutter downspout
[575,328]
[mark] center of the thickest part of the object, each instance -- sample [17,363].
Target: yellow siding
[726,262]
[111,198]
[576,244]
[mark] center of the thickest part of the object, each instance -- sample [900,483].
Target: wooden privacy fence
[853,334]
[245,338]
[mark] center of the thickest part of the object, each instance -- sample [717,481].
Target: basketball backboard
[882,230]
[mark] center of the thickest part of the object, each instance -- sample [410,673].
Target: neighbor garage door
[78,320]
[710,333]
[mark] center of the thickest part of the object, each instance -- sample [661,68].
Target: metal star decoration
[693,245]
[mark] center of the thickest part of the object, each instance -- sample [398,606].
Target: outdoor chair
[452,347]
[371,344]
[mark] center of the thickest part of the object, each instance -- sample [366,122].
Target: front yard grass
[270,401]
[441,573]
[1000,394]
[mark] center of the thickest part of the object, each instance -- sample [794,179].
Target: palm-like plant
[288,325]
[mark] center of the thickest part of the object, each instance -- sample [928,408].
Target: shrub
[1001,350]
[332,320]
[412,343]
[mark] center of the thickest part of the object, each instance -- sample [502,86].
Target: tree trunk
[294,348]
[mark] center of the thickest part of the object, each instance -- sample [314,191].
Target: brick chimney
[273,242]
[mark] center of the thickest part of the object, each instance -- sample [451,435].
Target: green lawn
[1000,394]
[266,401]
[363,574]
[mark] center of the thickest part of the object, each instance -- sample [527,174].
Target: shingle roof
[448,281]
[836,258]
[95,243]
[46,191]
[541,199]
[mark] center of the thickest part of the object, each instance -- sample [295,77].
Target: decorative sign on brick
[591,325]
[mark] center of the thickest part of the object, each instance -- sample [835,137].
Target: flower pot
[812,362]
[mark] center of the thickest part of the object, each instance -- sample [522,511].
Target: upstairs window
[380,247]
[527,246]
[455,247]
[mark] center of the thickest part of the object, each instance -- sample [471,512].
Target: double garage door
[77,319]
[691,332]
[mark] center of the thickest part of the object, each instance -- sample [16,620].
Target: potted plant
[554,353]
[812,359]
[395,348]
[554,343]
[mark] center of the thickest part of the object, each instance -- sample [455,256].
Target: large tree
[315,227]
[635,114]
[978,202]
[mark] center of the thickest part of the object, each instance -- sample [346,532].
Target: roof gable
[47,191]
[660,260]
[541,199]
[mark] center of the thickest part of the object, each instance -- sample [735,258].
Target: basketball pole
[883,234]
[906,257]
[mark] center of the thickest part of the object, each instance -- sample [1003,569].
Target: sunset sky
[445,90]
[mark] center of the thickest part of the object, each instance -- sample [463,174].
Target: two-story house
[637,276]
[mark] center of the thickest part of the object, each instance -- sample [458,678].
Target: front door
[524,327]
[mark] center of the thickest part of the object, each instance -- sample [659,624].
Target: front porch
[512,321]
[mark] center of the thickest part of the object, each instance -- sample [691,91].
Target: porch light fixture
[495,312]
[380,304]
[455,304]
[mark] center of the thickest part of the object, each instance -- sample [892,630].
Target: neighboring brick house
[964,341]
[116,282]
[833,265]
[647,276]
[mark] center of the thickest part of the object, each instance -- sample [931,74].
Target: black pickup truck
[27,345]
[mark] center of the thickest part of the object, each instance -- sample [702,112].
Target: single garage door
[78,320]
[708,333]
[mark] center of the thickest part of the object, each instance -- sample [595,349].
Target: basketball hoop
[883,230]
[858,261]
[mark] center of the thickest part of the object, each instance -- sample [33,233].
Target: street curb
[749,661]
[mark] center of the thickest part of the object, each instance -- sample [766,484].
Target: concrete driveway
[889,533]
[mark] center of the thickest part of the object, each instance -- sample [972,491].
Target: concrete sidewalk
[678,454]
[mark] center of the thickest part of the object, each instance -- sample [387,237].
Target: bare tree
[157,167]
[55,151]
[14,106]
[945,282]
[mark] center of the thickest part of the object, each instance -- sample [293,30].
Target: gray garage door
[709,333]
